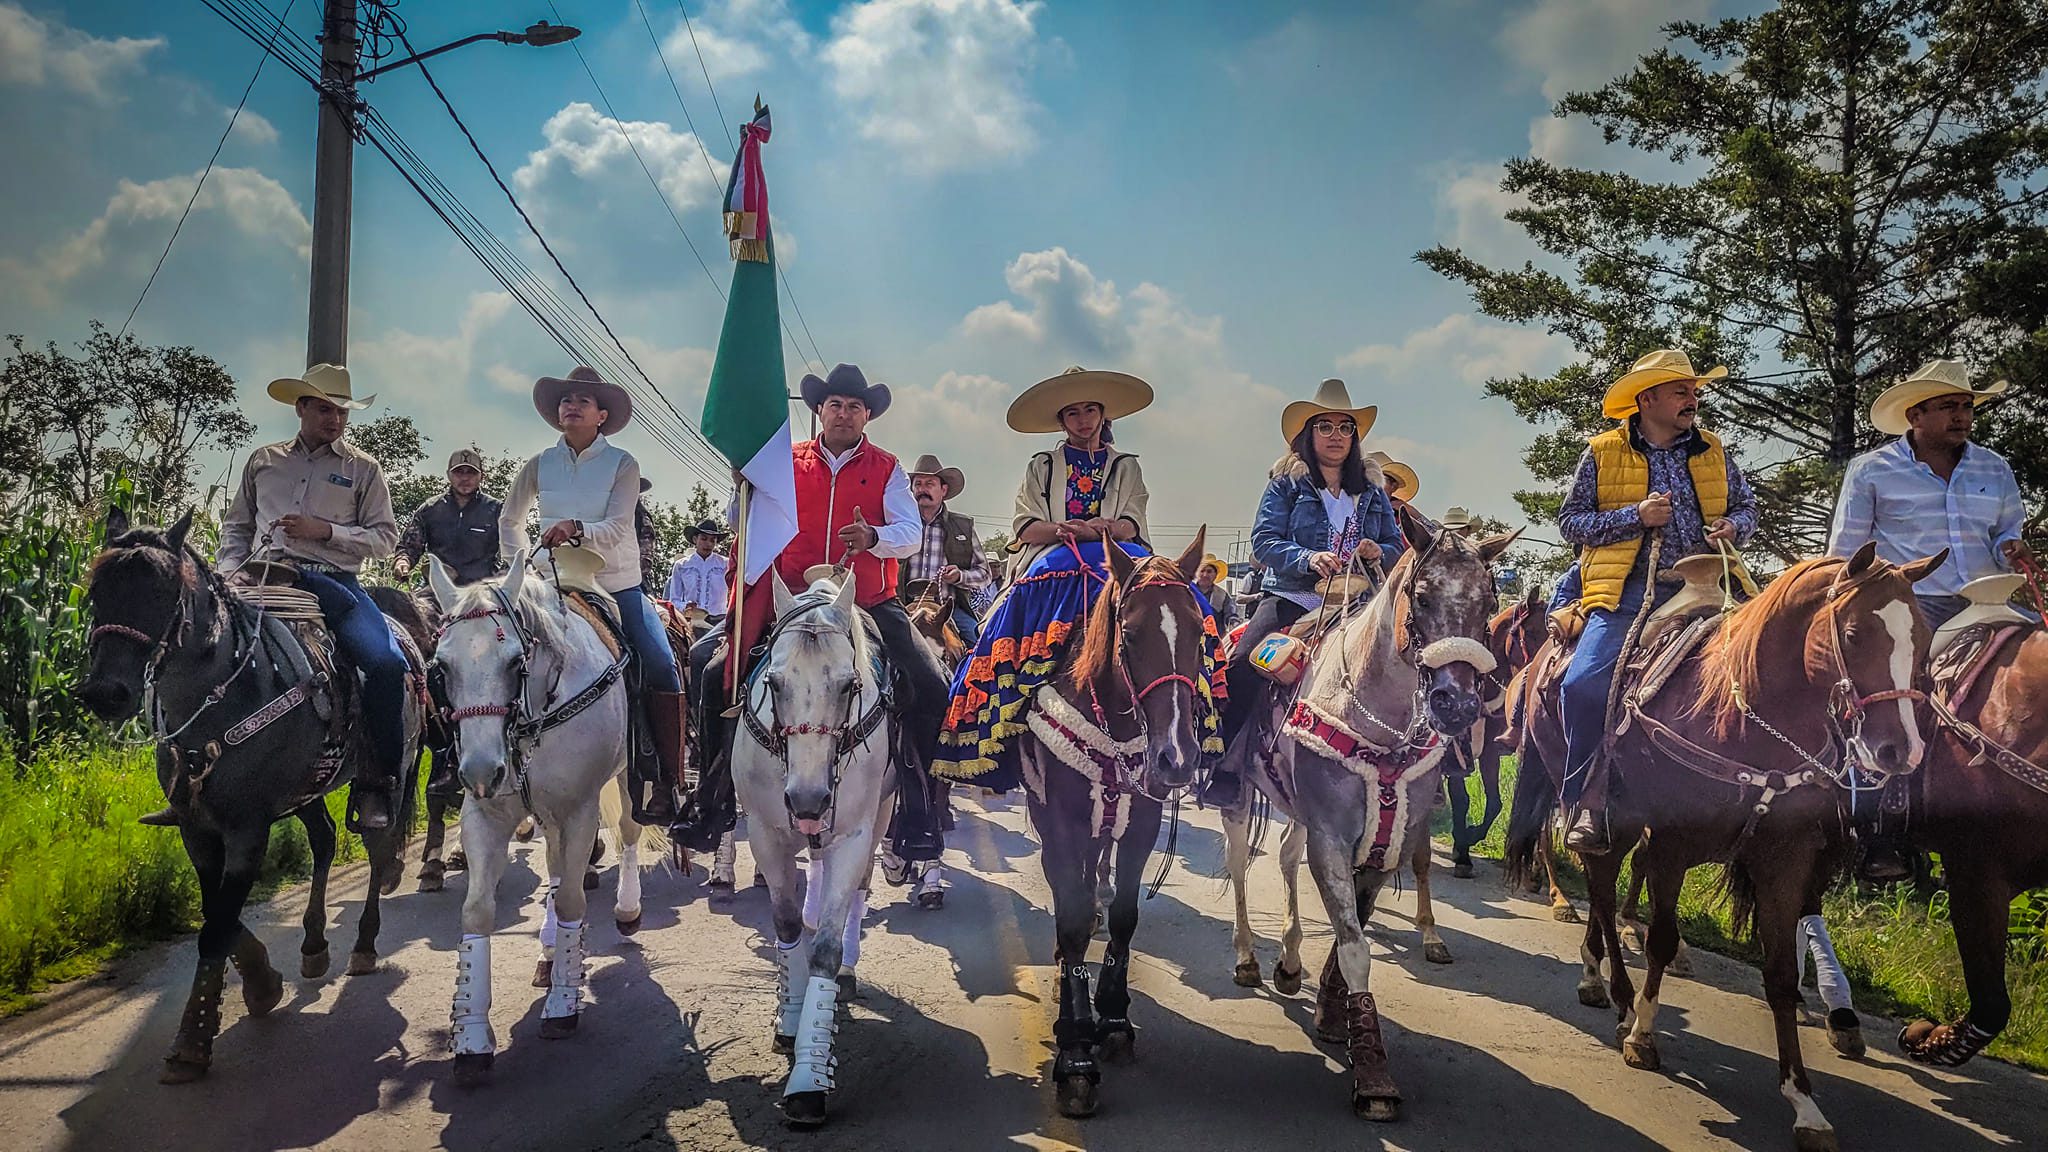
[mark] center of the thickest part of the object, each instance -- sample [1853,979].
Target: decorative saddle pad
[1653,663]
[1959,665]
[1389,775]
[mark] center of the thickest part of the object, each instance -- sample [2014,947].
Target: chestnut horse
[1736,760]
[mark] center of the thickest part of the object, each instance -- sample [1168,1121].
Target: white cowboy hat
[1331,397]
[1457,519]
[1935,378]
[328,382]
[1038,409]
[1659,367]
[1405,482]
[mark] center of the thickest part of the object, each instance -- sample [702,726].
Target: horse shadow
[1000,851]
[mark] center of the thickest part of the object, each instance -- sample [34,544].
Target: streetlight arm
[500,37]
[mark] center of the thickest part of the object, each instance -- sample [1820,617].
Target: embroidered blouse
[1084,481]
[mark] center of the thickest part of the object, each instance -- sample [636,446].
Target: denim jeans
[649,642]
[362,634]
[968,627]
[1587,683]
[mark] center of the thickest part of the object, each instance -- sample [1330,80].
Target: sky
[969,196]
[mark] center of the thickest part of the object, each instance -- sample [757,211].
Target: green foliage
[1854,189]
[45,550]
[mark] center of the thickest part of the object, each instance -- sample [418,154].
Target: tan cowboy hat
[1935,378]
[954,479]
[1331,397]
[1659,367]
[1405,482]
[1456,519]
[329,382]
[548,392]
[1211,561]
[1039,408]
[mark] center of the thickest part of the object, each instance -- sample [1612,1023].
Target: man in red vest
[854,508]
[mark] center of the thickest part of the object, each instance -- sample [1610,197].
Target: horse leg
[1070,861]
[1237,857]
[1373,1093]
[722,863]
[1660,945]
[626,906]
[1779,895]
[1561,909]
[569,840]
[1293,847]
[1489,782]
[433,869]
[1603,881]
[1979,898]
[486,830]
[786,897]
[931,885]
[1434,949]
[385,868]
[1460,796]
[1631,919]
[314,956]
[1114,1035]
[836,874]
[192,1049]
[1601,948]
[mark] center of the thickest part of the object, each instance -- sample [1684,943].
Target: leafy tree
[700,507]
[1853,181]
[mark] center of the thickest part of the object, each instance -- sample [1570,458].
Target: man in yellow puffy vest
[1657,472]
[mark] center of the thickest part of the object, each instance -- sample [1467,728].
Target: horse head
[1147,640]
[815,685]
[1444,597]
[143,595]
[493,633]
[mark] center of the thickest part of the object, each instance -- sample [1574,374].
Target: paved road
[948,1047]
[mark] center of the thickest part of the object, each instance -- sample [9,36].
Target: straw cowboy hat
[1405,482]
[1935,378]
[1039,408]
[845,380]
[327,382]
[1659,367]
[549,390]
[1211,561]
[1331,397]
[954,479]
[1456,519]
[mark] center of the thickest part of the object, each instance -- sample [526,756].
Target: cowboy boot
[1373,1093]
[654,801]
[710,811]
[1224,789]
[164,817]
[1588,834]
[915,834]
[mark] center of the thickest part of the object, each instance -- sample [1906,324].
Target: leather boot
[369,806]
[654,801]
[1223,790]
[1588,834]
[710,812]
[164,817]
[915,834]
[1372,1087]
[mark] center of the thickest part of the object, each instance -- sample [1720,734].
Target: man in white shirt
[699,577]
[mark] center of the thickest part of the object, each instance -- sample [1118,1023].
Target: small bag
[1280,658]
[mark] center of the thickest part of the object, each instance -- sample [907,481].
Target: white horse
[811,765]
[539,705]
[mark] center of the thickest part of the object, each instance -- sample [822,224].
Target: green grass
[81,882]
[1899,951]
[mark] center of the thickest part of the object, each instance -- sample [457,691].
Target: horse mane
[141,549]
[1731,663]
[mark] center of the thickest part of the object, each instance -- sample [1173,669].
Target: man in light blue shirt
[1932,489]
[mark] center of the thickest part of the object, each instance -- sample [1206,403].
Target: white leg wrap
[722,860]
[790,966]
[933,879]
[469,1020]
[628,904]
[814,901]
[565,989]
[547,918]
[849,941]
[814,1064]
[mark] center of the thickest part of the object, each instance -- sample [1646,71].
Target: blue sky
[972,194]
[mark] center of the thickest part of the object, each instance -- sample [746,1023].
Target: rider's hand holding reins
[1655,510]
[1326,563]
[858,536]
[300,526]
[1721,529]
[562,532]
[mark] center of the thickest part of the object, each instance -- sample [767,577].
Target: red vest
[826,503]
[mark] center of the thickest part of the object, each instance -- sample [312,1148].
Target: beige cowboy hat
[1659,367]
[328,382]
[1405,482]
[1038,409]
[1331,397]
[549,390]
[954,479]
[1934,378]
[1456,519]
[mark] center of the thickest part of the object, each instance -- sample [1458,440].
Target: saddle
[1968,651]
[1990,607]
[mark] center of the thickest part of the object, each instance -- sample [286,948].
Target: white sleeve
[904,533]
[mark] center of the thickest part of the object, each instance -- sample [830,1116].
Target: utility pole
[333,181]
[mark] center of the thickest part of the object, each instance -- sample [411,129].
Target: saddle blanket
[1390,775]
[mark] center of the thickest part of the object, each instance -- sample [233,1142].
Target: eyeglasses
[1335,428]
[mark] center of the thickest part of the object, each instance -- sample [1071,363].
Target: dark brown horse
[1513,635]
[1116,730]
[1983,803]
[1737,761]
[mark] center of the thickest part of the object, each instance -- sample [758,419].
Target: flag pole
[735,633]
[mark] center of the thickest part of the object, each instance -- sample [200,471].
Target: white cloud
[1067,307]
[586,156]
[1579,45]
[252,128]
[35,52]
[942,84]
[1461,347]
[738,38]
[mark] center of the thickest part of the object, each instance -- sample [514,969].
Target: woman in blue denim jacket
[1325,501]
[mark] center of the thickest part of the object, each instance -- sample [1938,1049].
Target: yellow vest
[1621,478]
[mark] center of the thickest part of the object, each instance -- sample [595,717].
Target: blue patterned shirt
[1891,497]
[1581,522]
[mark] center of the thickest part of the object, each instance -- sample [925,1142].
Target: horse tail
[1529,818]
[1739,886]
[611,808]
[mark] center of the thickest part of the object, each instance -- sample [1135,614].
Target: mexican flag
[746,412]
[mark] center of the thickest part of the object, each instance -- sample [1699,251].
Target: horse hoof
[1436,952]
[457,862]
[1246,975]
[314,965]
[1117,1047]
[558,1027]
[589,880]
[1565,914]
[390,881]
[1333,1032]
[1845,1033]
[1640,1056]
[1815,1140]
[543,973]
[362,963]
[785,1045]
[524,832]
[1284,982]
[804,1109]
[1462,870]
[473,1068]
[1078,1097]
[931,901]
[180,1070]
[262,993]
[629,927]
[1594,996]
[432,883]
[1378,1109]
[720,885]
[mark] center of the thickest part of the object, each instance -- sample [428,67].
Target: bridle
[1117,593]
[1414,648]
[175,635]
[850,733]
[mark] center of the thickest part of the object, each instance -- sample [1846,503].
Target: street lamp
[334,163]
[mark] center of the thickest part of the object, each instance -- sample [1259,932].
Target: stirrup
[1588,835]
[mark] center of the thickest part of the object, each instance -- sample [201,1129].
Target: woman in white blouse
[586,487]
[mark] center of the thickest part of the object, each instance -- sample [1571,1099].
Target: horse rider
[1326,505]
[698,579]
[586,489]
[1209,582]
[1932,488]
[1075,499]
[854,509]
[320,504]
[1928,490]
[1656,471]
[948,551]
[647,535]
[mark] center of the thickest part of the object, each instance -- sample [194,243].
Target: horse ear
[1415,528]
[1491,547]
[438,580]
[117,522]
[845,601]
[177,533]
[515,576]
[1190,562]
[1921,569]
[784,602]
[1860,561]
[1121,566]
